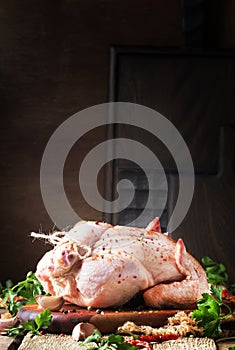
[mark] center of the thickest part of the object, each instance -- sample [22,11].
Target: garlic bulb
[53,303]
[82,330]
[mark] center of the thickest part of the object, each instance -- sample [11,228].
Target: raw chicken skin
[100,265]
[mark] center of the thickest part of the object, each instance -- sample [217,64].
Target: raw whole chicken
[99,265]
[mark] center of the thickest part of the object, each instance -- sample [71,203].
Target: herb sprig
[217,274]
[42,321]
[24,292]
[210,311]
[113,341]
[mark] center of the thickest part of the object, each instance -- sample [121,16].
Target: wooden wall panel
[195,91]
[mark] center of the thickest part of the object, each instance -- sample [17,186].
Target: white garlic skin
[7,322]
[53,303]
[83,330]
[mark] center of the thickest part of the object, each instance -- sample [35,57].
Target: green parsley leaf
[42,321]
[12,305]
[113,341]
[29,326]
[27,290]
[209,311]
[93,338]
[14,332]
[216,273]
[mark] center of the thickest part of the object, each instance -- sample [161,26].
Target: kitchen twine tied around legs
[73,128]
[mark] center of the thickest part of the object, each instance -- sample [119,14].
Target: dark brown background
[54,62]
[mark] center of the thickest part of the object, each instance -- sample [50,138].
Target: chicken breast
[100,265]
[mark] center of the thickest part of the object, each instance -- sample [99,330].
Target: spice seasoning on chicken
[82,267]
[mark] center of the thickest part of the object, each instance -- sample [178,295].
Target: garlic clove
[53,303]
[83,330]
[7,322]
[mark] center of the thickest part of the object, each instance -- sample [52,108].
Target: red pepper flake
[42,332]
[224,293]
[134,276]
[140,343]
[97,222]
[119,282]
[228,297]
[158,338]
[62,334]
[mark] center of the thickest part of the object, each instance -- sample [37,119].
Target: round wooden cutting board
[106,321]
